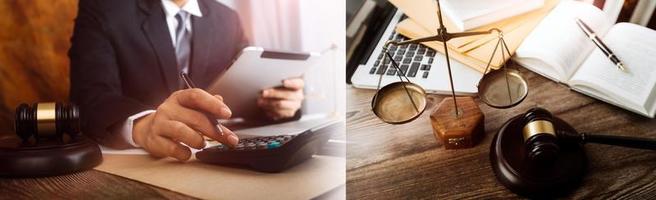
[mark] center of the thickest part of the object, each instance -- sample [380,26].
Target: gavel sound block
[49,143]
[515,171]
[458,131]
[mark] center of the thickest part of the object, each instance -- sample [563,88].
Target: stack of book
[516,18]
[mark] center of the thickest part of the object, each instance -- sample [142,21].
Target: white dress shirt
[170,10]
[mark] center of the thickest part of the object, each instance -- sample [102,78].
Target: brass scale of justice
[403,101]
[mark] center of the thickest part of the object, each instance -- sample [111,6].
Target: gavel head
[540,140]
[46,121]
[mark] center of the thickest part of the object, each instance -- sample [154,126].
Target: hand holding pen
[182,122]
[597,41]
[191,85]
[215,122]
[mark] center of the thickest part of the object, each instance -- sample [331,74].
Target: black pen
[586,29]
[191,84]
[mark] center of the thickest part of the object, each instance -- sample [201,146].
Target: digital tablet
[254,70]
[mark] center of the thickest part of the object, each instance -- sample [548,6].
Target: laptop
[422,65]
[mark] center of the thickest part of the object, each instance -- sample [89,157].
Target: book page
[559,43]
[635,46]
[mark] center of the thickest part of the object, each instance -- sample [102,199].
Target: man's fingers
[228,138]
[218,97]
[294,83]
[283,94]
[198,99]
[192,118]
[178,131]
[162,147]
[199,122]
[278,104]
[280,114]
[282,102]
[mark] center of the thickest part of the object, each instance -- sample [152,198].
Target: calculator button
[250,146]
[261,145]
[240,147]
[273,145]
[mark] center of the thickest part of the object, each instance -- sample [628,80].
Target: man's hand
[180,120]
[282,102]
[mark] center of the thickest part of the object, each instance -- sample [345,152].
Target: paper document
[307,180]
[474,51]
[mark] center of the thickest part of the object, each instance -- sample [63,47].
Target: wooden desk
[406,161]
[91,184]
[94,184]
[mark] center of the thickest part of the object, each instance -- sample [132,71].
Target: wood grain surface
[84,185]
[406,162]
[457,130]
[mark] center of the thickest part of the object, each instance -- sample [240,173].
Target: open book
[559,50]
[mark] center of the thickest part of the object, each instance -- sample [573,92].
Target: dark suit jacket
[123,61]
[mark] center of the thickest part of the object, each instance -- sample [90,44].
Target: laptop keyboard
[414,60]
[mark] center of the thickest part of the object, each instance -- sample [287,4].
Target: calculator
[270,153]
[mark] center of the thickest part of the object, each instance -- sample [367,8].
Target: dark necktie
[182,43]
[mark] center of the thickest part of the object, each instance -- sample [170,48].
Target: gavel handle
[631,142]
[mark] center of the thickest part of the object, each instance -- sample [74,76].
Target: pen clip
[187,80]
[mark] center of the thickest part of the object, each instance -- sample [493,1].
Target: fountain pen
[586,29]
[191,84]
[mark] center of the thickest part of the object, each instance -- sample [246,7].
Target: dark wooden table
[94,184]
[406,161]
[91,184]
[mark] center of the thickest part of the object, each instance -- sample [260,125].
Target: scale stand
[459,124]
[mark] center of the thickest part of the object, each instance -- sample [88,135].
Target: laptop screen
[362,33]
[352,7]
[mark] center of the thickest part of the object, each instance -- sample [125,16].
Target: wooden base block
[47,157]
[458,132]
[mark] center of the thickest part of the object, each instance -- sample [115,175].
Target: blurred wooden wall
[34,40]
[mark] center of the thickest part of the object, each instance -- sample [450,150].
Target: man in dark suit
[125,60]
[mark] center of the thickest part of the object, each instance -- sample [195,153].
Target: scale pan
[393,105]
[502,88]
